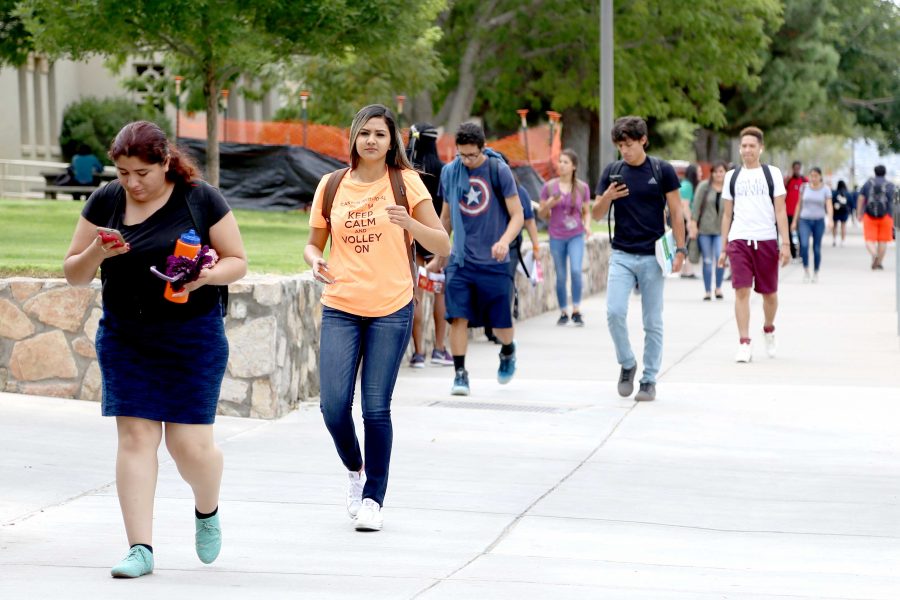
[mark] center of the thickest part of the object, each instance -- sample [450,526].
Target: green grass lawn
[35,234]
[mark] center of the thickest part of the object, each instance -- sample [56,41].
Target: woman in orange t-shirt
[368,298]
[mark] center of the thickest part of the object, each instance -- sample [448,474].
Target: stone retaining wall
[47,331]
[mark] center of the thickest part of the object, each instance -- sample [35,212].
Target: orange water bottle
[187,245]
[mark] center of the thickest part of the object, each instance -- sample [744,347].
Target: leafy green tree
[96,122]
[15,41]
[214,41]
[670,59]
[341,85]
[792,92]
[868,82]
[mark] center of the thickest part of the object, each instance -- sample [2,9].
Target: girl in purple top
[565,201]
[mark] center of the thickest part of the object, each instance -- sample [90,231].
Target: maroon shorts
[754,262]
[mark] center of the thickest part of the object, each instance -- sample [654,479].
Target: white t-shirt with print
[754,212]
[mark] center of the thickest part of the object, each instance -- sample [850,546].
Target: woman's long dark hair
[146,141]
[396,155]
[422,149]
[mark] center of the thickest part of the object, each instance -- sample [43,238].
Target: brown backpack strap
[330,192]
[399,189]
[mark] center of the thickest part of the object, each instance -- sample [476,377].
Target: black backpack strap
[331,189]
[767,172]
[733,181]
[194,196]
[399,190]
[494,170]
[615,169]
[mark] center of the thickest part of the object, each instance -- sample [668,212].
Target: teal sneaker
[507,367]
[460,383]
[138,561]
[208,538]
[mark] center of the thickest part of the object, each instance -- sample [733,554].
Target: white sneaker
[744,353]
[355,491]
[815,277]
[771,347]
[369,516]
[806,277]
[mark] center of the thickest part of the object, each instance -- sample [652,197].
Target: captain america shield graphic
[478,199]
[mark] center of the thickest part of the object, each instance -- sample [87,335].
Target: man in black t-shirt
[640,188]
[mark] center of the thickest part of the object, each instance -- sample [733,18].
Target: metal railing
[23,178]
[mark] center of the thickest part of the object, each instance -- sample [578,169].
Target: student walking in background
[423,155]
[161,362]
[814,214]
[368,298]
[753,219]
[640,188]
[687,190]
[840,203]
[565,204]
[707,223]
[875,209]
[792,187]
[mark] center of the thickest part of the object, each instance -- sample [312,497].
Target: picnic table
[50,188]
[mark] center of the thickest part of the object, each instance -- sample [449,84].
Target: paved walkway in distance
[776,479]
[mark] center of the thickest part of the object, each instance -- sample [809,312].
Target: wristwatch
[681,250]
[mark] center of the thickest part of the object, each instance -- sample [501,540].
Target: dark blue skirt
[162,370]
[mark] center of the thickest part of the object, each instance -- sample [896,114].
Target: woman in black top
[422,153]
[840,201]
[160,361]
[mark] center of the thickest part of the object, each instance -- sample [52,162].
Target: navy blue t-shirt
[484,219]
[641,215]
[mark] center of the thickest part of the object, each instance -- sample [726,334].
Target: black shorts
[482,294]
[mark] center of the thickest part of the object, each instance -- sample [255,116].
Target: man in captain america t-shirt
[482,210]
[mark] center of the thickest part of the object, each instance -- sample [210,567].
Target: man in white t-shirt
[754,217]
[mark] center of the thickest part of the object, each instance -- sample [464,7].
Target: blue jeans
[816,229]
[626,270]
[573,249]
[377,343]
[710,248]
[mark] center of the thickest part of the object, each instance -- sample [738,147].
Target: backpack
[766,172]
[616,169]
[399,190]
[878,204]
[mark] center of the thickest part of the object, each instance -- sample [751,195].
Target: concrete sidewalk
[776,479]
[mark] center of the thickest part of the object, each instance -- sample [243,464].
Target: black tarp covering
[266,177]
[263,177]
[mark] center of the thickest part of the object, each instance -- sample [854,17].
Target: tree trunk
[420,109]
[464,96]
[457,105]
[581,131]
[211,93]
[576,135]
[706,145]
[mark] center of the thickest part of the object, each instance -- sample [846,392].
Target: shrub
[96,122]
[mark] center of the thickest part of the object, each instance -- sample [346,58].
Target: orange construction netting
[533,146]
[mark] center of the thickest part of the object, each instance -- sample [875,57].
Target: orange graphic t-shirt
[368,258]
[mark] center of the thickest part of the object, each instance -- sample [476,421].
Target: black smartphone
[617,179]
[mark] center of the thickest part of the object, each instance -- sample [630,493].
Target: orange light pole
[554,121]
[400,101]
[304,98]
[178,80]
[523,112]
[225,93]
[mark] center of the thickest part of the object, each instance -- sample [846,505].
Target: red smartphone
[108,235]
